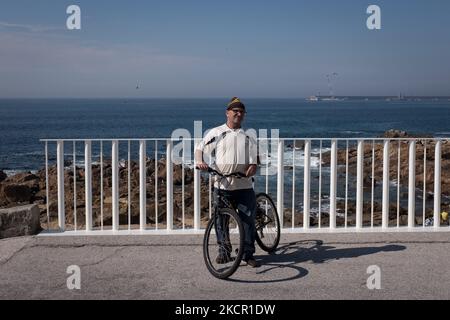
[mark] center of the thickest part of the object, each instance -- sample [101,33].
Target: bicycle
[220,258]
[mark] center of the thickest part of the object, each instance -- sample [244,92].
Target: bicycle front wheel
[267,223]
[223,243]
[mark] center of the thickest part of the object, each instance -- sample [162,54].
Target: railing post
[437,184]
[280,182]
[142,185]
[412,184]
[156,185]
[88,183]
[169,185]
[75,186]
[359,184]
[46,186]
[385,201]
[115,185]
[197,200]
[196,195]
[306,184]
[333,183]
[60,177]
[101,185]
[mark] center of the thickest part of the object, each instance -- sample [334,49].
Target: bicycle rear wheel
[267,223]
[223,243]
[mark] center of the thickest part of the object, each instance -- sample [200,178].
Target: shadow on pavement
[291,254]
[315,251]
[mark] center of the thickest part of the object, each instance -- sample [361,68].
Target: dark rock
[25,178]
[395,134]
[3,175]
[17,193]
[178,175]
[22,177]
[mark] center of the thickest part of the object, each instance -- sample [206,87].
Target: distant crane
[330,78]
[330,82]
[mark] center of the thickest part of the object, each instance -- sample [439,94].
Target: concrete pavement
[306,266]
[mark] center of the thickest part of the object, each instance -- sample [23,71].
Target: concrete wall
[19,221]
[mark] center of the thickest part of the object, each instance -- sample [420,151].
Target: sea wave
[10,173]
[352,132]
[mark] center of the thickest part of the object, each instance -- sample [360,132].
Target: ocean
[24,121]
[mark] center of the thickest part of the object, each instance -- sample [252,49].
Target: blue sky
[222,49]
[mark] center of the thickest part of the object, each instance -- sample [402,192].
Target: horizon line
[226,97]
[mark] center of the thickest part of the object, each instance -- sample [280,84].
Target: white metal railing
[315,195]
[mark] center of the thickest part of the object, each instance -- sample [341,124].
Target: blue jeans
[245,202]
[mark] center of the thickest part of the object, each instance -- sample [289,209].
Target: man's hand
[202,166]
[251,171]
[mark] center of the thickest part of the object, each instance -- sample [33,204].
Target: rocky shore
[25,188]
[28,188]
[404,162]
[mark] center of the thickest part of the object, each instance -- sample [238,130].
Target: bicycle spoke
[268,234]
[223,243]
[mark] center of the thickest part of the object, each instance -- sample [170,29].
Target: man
[235,151]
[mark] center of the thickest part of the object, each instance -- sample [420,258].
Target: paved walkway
[331,266]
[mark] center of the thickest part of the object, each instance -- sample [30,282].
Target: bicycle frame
[219,200]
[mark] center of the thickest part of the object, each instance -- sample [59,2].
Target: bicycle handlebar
[217,173]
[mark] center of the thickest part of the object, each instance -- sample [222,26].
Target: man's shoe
[253,263]
[223,258]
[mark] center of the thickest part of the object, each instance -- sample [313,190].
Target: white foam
[317,150]
[299,160]
[352,132]
[10,173]
[314,211]
[33,153]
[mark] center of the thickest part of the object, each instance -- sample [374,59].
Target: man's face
[235,116]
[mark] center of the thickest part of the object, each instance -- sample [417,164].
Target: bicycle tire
[210,258]
[261,224]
